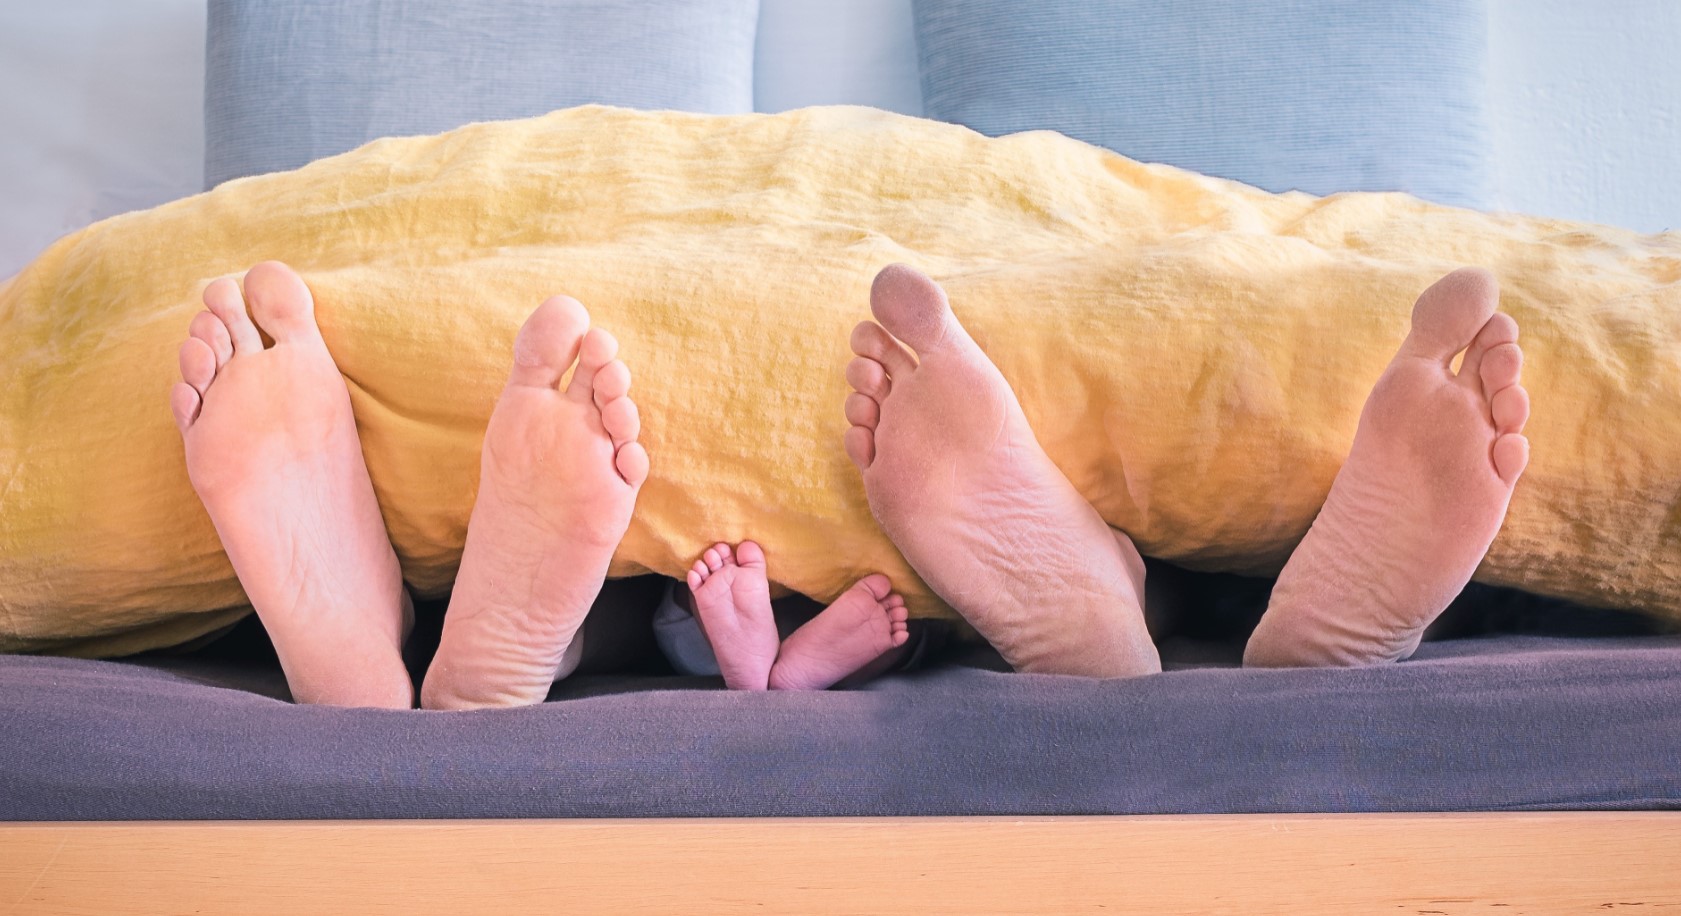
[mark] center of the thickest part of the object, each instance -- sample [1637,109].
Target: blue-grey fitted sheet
[1493,723]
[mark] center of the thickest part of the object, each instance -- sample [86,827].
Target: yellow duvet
[1193,353]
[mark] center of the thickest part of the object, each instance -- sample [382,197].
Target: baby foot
[1421,496]
[558,478]
[866,621]
[732,602]
[273,453]
[959,483]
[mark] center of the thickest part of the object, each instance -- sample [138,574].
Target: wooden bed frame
[1425,864]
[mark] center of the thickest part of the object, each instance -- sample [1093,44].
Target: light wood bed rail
[1424,864]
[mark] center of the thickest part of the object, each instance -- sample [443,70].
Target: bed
[1524,759]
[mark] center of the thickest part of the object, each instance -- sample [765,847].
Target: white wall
[1585,109]
[101,112]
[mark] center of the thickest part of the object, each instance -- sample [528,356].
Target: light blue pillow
[290,81]
[1316,95]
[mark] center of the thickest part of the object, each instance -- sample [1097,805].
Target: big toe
[280,302]
[548,342]
[912,307]
[1449,314]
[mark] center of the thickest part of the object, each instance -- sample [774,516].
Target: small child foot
[731,592]
[858,628]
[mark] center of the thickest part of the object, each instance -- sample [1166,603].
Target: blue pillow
[290,81]
[1315,95]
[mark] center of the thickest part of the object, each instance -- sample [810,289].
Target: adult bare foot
[959,483]
[558,478]
[865,622]
[731,591]
[273,453]
[1421,496]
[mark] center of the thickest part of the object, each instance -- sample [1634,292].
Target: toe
[198,364]
[214,333]
[862,410]
[1511,456]
[548,343]
[184,403]
[1500,329]
[1509,408]
[698,574]
[913,308]
[596,351]
[878,585]
[631,461]
[611,382]
[281,302]
[621,420]
[868,378]
[860,446]
[223,299]
[1449,314]
[747,553]
[1501,368]
[869,340]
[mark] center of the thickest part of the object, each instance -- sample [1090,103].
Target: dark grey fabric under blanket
[1504,723]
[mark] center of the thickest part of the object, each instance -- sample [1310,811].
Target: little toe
[1448,315]
[621,420]
[631,461]
[198,364]
[862,410]
[860,444]
[913,308]
[871,341]
[548,343]
[1509,408]
[281,302]
[214,333]
[224,300]
[748,553]
[1501,368]
[596,351]
[1511,456]
[868,378]
[612,382]
[184,403]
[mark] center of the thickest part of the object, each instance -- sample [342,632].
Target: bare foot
[959,483]
[732,603]
[557,481]
[865,622]
[273,453]
[1421,496]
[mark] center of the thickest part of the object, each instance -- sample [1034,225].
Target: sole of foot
[958,481]
[273,453]
[558,478]
[865,622]
[1421,497]
[731,590]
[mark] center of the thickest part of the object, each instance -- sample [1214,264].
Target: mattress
[1483,722]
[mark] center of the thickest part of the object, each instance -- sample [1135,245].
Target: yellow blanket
[1192,352]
